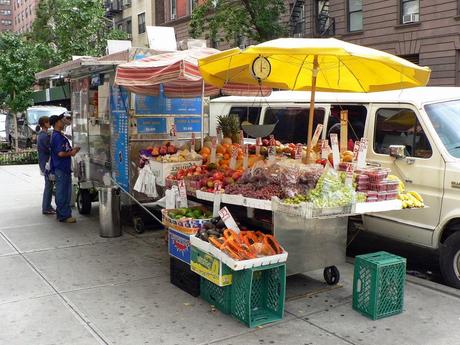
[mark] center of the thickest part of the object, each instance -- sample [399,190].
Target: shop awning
[178,73]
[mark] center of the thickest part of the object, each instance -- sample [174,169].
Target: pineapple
[230,126]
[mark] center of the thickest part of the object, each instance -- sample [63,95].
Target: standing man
[61,153]
[43,148]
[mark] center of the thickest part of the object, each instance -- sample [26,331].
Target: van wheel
[449,260]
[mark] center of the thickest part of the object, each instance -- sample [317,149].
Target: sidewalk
[63,284]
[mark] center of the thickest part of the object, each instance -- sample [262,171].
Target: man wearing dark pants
[43,148]
[61,153]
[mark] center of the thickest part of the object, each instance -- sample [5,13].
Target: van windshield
[445,117]
[34,114]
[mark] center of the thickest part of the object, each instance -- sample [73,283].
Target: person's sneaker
[70,220]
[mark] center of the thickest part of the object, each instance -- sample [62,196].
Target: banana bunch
[401,187]
[411,200]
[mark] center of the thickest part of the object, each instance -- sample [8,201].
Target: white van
[425,120]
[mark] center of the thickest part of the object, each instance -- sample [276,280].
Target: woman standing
[43,147]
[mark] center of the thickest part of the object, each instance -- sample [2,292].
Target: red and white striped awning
[178,73]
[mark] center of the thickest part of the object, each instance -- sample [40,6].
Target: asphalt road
[421,262]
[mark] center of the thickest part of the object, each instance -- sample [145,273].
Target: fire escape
[322,24]
[113,7]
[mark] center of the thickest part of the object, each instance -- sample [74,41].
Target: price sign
[228,219]
[241,138]
[192,145]
[233,158]
[217,199]
[170,195]
[324,149]
[245,156]
[258,145]
[343,130]
[349,176]
[219,135]
[362,153]
[173,134]
[271,153]
[213,149]
[335,150]
[316,135]
[298,152]
[356,150]
[182,194]
[272,140]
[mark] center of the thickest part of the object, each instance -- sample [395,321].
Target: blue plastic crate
[179,245]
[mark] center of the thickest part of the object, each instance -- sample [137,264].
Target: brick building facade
[424,31]
[23,14]
[6,15]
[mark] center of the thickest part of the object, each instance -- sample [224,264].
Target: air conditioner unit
[173,16]
[410,18]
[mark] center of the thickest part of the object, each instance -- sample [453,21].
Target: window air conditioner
[173,16]
[410,18]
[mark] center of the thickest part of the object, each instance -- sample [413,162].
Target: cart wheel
[139,226]
[84,201]
[331,275]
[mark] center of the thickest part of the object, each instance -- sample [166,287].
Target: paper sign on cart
[316,135]
[228,219]
[217,199]
[170,195]
[245,156]
[182,194]
[271,153]
[241,138]
[335,150]
[233,158]
[213,149]
[173,134]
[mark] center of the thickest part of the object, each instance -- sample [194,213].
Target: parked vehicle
[28,122]
[425,120]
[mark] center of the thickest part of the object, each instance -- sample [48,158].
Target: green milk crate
[378,284]
[258,294]
[218,296]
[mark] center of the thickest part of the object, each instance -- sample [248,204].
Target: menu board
[119,118]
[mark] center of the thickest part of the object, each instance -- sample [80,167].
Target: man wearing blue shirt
[61,161]
[43,148]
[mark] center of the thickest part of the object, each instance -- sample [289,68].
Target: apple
[218,176]
[210,183]
[265,142]
[229,180]
[163,151]
[198,169]
[172,149]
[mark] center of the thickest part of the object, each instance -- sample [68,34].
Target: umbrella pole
[202,112]
[312,106]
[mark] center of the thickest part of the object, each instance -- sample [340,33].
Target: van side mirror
[398,151]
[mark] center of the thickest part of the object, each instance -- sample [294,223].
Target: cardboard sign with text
[343,130]
[228,219]
[182,194]
[335,150]
[213,149]
[316,135]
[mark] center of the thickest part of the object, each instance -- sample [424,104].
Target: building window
[129,27]
[141,23]
[355,15]
[5,12]
[414,58]
[6,22]
[5,2]
[410,11]
[173,7]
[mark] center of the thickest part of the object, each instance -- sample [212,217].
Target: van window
[357,115]
[400,127]
[250,114]
[292,123]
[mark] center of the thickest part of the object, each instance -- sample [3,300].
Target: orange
[205,150]
[205,157]
[220,149]
[227,156]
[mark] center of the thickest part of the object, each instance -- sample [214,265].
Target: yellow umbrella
[313,64]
